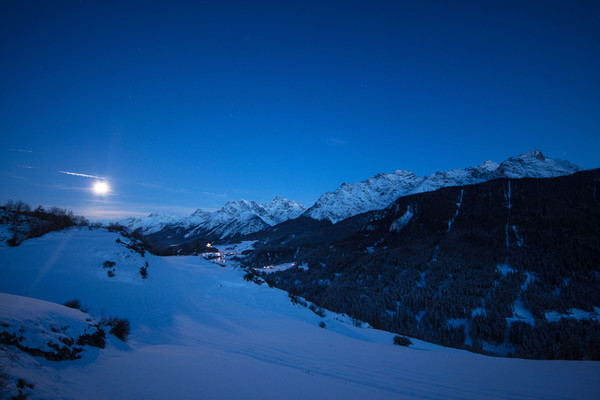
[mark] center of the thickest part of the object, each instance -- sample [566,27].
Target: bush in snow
[296,300]
[75,303]
[110,267]
[402,341]
[7,356]
[3,380]
[270,282]
[317,310]
[22,384]
[96,339]
[120,327]
[144,271]
[321,324]
[115,227]
[251,276]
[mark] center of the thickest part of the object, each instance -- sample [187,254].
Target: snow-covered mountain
[238,217]
[533,164]
[381,190]
[151,223]
[243,217]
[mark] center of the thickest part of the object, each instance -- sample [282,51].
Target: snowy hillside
[239,217]
[199,330]
[380,191]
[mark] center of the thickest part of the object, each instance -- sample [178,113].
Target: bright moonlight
[101,188]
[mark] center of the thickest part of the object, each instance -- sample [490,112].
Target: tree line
[25,222]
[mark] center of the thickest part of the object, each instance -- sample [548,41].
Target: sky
[185,105]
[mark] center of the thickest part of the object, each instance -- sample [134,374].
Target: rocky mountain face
[381,190]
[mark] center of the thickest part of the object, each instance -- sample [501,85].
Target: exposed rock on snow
[401,222]
[48,330]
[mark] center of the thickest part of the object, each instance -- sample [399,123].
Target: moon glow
[101,188]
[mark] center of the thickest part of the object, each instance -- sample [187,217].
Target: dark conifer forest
[483,267]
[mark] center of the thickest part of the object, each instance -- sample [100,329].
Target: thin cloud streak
[336,141]
[21,150]
[165,188]
[222,195]
[179,190]
[120,210]
[79,174]
[66,187]
[12,175]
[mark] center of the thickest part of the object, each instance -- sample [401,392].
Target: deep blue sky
[185,105]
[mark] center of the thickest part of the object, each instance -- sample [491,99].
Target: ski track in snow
[200,331]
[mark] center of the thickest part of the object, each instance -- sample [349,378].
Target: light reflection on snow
[281,267]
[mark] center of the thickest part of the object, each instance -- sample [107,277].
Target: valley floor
[198,330]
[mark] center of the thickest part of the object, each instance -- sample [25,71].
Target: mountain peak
[401,172]
[534,164]
[535,153]
[488,165]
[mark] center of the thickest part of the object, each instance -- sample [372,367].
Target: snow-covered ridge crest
[242,217]
[152,223]
[381,190]
[235,217]
[533,164]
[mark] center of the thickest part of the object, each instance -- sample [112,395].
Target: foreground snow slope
[200,331]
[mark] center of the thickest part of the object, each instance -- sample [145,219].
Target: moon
[101,188]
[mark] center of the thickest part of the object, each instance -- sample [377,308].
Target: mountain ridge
[381,190]
[237,217]
[242,217]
